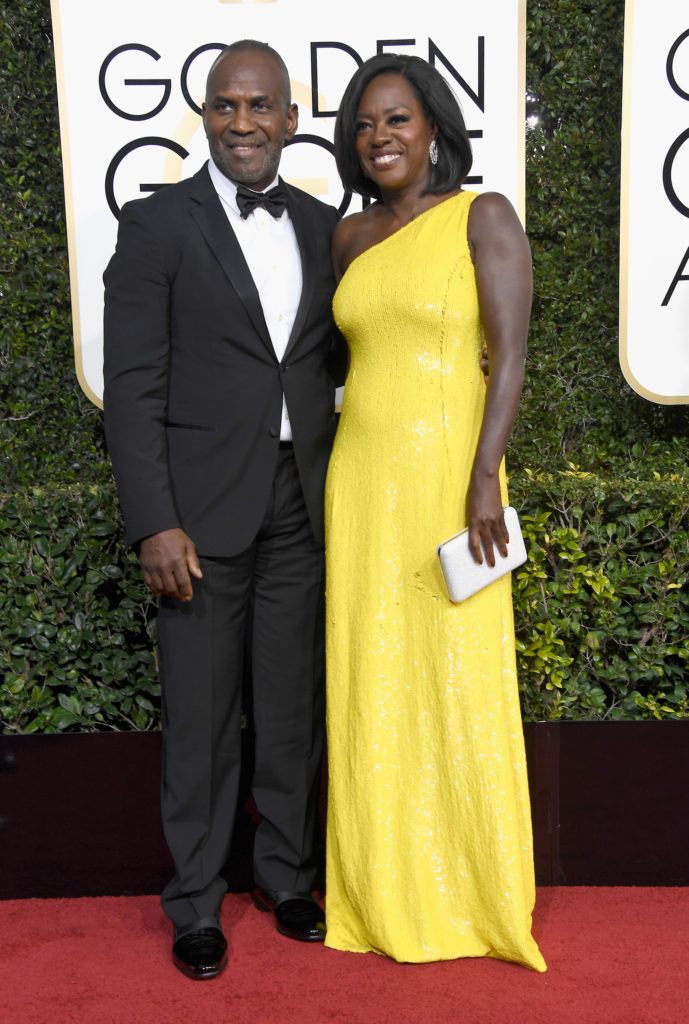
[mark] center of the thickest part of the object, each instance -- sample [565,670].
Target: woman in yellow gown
[429,852]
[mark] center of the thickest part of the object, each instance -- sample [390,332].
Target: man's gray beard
[219,159]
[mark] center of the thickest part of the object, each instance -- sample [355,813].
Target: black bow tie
[274,201]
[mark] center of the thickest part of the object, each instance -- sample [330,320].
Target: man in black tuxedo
[219,414]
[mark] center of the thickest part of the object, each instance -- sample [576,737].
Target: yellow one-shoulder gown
[429,852]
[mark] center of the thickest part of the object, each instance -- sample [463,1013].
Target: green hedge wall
[601,476]
[602,607]
[75,621]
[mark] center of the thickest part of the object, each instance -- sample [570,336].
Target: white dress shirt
[272,254]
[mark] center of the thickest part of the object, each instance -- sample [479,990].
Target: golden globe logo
[677,194]
[130,104]
[134,97]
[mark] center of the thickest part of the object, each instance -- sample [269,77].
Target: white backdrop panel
[654,252]
[130,74]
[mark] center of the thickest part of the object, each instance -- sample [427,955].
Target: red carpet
[615,956]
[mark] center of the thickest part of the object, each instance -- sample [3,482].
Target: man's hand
[168,561]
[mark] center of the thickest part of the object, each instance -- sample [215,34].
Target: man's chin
[245,172]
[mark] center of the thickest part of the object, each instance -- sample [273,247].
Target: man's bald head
[252,46]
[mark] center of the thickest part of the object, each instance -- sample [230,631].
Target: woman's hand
[485,518]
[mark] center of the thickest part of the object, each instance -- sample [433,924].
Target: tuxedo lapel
[304,232]
[213,223]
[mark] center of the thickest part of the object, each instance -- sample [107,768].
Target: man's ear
[292,121]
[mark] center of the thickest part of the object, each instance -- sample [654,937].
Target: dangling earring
[433,151]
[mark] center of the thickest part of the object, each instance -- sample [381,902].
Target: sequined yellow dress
[429,851]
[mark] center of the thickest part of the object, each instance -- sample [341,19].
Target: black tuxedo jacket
[193,388]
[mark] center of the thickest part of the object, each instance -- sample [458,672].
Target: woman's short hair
[440,106]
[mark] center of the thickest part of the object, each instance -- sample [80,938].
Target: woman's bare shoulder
[491,211]
[348,226]
[494,226]
[351,237]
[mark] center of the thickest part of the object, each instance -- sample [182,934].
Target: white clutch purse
[464,576]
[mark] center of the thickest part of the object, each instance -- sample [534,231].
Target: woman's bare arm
[502,260]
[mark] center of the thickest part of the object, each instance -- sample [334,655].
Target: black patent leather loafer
[297,915]
[200,954]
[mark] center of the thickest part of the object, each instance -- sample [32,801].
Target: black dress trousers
[202,645]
